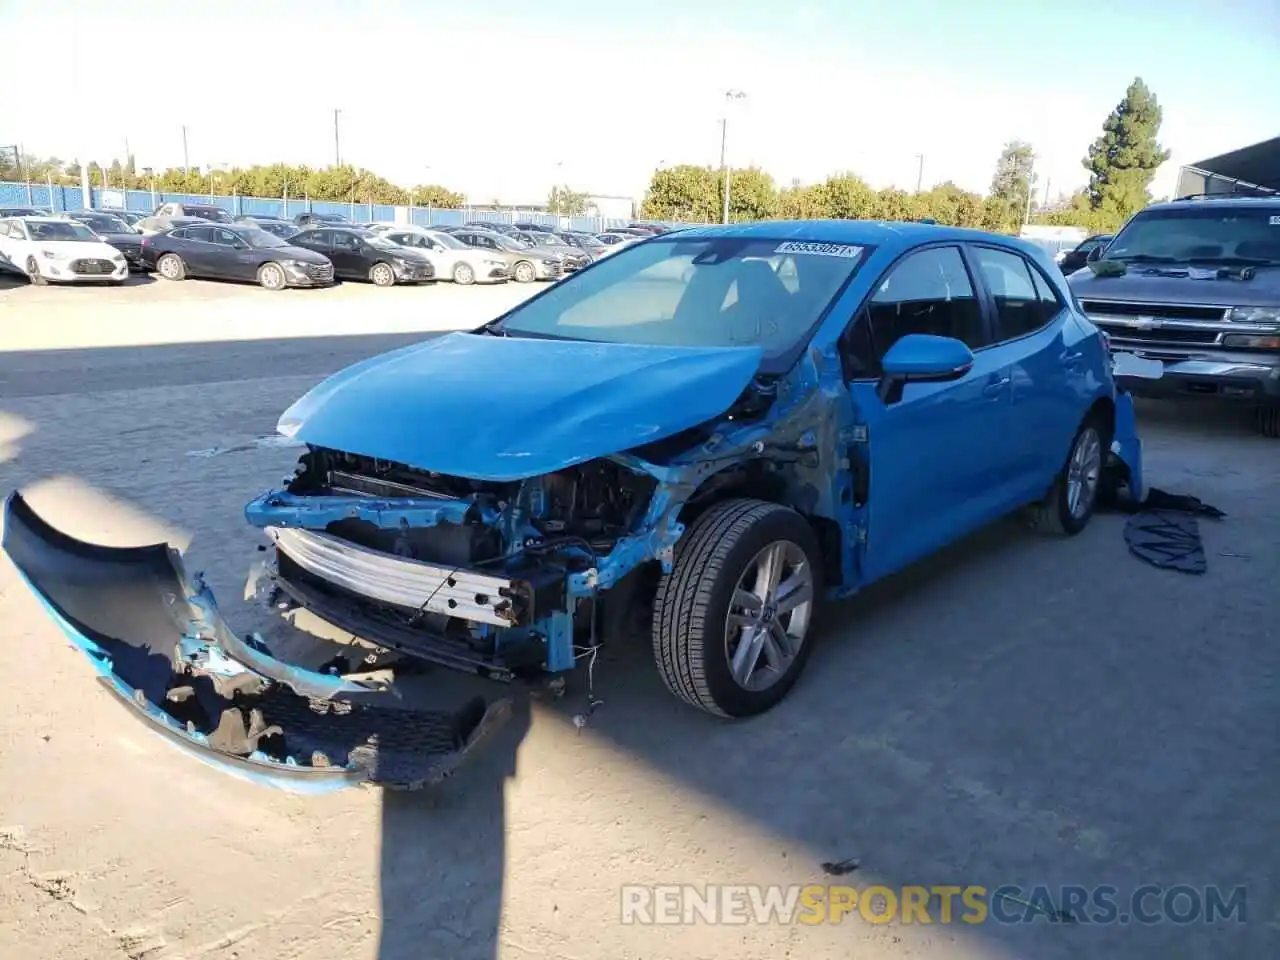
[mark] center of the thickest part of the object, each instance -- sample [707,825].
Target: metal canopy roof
[1258,164]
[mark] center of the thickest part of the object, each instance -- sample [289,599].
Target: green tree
[567,202]
[752,195]
[1011,186]
[848,197]
[1123,161]
[685,192]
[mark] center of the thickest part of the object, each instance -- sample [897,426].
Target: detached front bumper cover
[157,641]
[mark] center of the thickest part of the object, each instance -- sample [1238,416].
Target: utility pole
[337,151]
[729,96]
[1047,181]
[920,173]
[1031,166]
[186,159]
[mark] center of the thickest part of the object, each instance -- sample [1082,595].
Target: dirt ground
[1018,711]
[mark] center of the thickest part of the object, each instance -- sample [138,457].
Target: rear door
[1048,377]
[348,254]
[937,454]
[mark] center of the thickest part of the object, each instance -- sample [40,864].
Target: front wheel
[34,274]
[381,275]
[732,620]
[171,267]
[524,272]
[1068,506]
[271,277]
[464,274]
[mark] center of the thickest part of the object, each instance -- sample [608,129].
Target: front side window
[926,292]
[1201,232]
[719,292]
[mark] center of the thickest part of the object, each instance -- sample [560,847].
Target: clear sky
[501,99]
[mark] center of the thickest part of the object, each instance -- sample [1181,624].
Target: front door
[936,454]
[318,240]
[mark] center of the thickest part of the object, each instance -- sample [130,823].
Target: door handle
[995,387]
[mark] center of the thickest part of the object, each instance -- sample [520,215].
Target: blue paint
[505,408]
[923,356]
[278,508]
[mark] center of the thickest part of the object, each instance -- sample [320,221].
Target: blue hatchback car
[700,437]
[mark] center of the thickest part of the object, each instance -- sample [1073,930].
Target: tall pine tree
[1123,161]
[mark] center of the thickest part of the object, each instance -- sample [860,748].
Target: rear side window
[1024,301]
[204,234]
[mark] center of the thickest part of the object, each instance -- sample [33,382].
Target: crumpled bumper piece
[1127,446]
[157,642]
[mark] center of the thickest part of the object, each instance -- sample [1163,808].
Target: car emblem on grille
[1147,323]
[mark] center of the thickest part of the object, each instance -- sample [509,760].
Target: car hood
[1154,284]
[79,249]
[506,408]
[301,254]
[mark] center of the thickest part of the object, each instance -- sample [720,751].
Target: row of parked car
[181,240]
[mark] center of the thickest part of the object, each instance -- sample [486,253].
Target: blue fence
[59,198]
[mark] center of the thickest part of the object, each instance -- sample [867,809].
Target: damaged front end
[502,579]
[157,641]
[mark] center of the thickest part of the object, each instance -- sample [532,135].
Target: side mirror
[921,358]
[1095,254]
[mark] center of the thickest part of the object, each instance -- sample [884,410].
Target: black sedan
[362,255]
[234,251]
[116,232]
[284,229]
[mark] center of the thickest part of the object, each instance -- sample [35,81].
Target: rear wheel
[1069,505]
[464,274]
[381,275]
[271,277]
[34,274]
[524,272]
[732,620]
[171,267]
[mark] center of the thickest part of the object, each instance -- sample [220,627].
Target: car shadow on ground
[1011,711]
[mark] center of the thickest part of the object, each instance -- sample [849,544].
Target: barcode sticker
[845,250]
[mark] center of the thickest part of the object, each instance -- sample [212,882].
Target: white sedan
[452,259]
[53,248]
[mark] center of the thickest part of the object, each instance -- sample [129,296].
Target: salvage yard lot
[1019,711]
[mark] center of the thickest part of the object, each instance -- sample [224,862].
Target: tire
[381,275]
[524,272]
[692,635]
[271,277]
[1269,421]
[33,273]
[464,274]
[171,267]
[1061,513]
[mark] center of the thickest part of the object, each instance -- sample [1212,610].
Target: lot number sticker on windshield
[845,250]
[1275,221]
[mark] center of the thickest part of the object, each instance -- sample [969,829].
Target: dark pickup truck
[1195,284]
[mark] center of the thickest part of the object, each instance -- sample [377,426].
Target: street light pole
[729,96]
[1031,166]
[920,173]
[186,160]
[337,152]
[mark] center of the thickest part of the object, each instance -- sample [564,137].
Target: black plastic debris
[840,868]
[1164,530]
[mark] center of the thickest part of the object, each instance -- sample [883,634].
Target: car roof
[881,233]
[1243,202]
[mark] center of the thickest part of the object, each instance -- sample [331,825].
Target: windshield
[448,242]
[381,242]
[330,218]
[722,292]
[216,214]
[546,240]
[508,243]
[261,239]
[1200,233]
[64,230]
[104,224]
